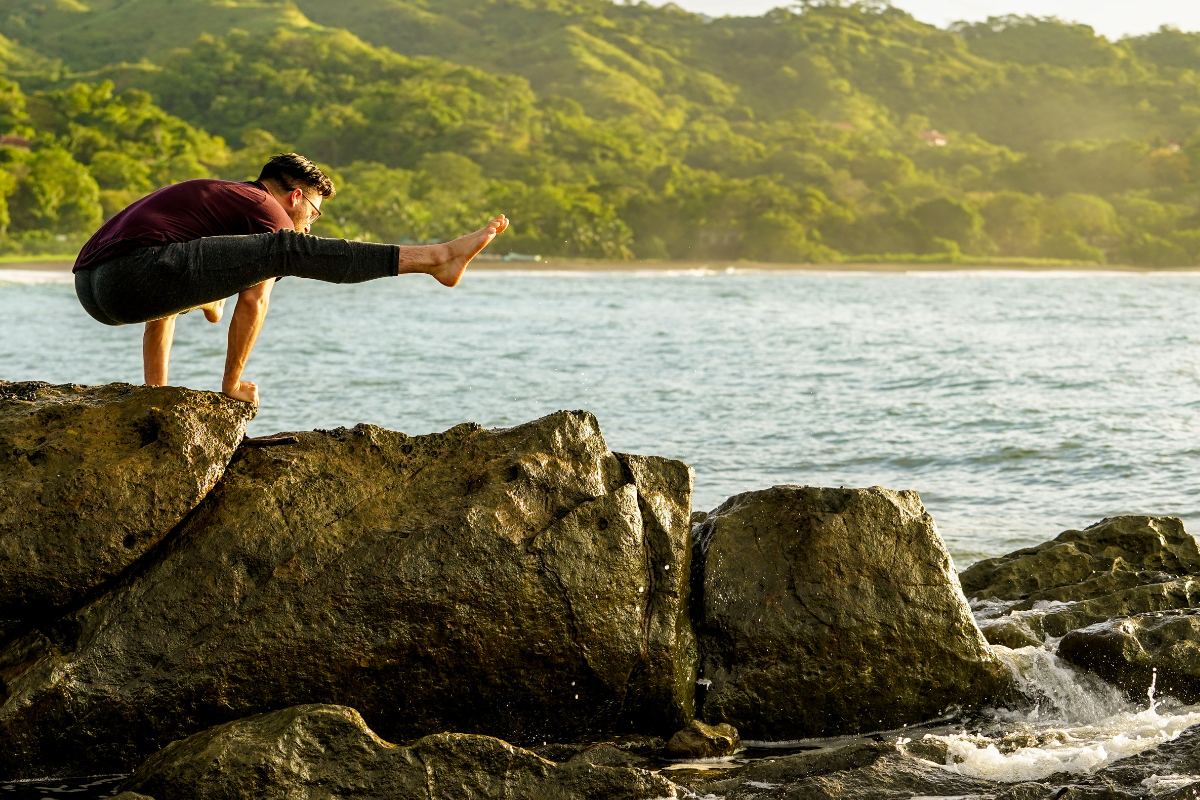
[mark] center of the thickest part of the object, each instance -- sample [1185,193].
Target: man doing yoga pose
[195,243]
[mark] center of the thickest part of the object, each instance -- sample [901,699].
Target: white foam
[713,763]
[1062,696]
[1077,724]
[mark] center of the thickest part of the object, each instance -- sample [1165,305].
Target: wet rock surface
[1130,652]
[328,751]
[699,740]
[524,582]
[1012,632]
[857,771]
[1119,567]
[1152,773]
[1180,593]
[1015,624]
[93,477]
[826,611]
[1107,557]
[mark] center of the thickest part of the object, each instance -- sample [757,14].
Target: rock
[93,477]
[830,611]
[857,771]
[1128,651]
[1166,772]
[607,754]
[1029,790]
[1011,632]
[636,750]
[1116,568]
[1165,596]
[131,796]
[523,582]
[328,751]
[1112,555]
[699,740]
[1054,619]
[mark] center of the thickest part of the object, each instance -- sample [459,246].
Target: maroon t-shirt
[183,212]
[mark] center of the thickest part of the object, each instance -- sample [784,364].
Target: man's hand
[245,391]
[248,316]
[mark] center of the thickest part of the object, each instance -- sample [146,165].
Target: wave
[1077,723]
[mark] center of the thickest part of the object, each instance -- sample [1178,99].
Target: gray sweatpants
[153,282]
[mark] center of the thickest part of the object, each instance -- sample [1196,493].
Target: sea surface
[1019,404]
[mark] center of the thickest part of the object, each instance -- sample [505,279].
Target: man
[195,243]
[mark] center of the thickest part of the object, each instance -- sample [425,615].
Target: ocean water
[1019,404]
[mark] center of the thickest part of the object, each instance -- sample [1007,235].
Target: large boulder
[328,751]
[829,611]
[1113,555]
[525,582]
[93,477]
[1129,651]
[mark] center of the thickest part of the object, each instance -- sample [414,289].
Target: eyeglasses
[316,211]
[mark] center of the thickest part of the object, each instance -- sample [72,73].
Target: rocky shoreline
[526,613]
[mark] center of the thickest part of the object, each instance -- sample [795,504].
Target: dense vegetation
[825,131]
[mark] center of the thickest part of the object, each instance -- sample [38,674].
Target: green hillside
[829,131]
[87,34]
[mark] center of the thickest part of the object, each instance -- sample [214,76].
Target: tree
[1014,222]
[947,219]
[54,195]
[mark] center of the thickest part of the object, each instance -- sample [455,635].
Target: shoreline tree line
[822,132]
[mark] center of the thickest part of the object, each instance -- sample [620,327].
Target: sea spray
[1075,723]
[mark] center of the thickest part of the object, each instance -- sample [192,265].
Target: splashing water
[1078,723]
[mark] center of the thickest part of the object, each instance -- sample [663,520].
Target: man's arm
[248,316]
[156,350]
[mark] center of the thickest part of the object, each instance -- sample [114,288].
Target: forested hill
[826,131]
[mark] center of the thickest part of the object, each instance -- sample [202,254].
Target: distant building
[12,140]
[934,138]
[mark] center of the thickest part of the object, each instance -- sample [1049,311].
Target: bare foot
[245,391]
[448,261]
[212,311]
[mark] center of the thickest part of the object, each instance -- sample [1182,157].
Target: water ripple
[1016,404]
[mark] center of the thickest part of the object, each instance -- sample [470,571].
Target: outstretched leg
[154,284]
[448,261]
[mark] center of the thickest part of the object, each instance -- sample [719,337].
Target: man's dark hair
[289,169]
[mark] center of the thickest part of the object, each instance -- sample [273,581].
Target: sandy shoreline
[596,265]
